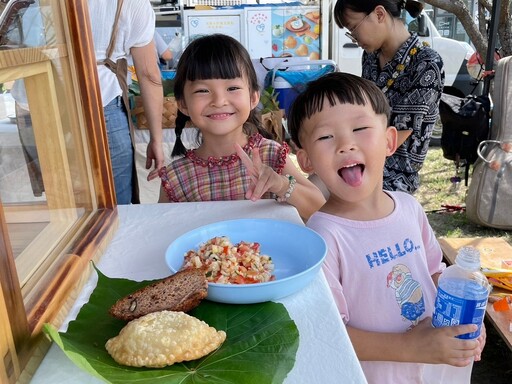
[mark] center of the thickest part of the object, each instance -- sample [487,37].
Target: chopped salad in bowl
[228,263]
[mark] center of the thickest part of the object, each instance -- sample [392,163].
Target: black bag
[465,124]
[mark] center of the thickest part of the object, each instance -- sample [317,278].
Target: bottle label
[452,310]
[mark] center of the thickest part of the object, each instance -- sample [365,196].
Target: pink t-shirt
[380,275]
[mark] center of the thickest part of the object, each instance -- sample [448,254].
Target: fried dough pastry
[163,338]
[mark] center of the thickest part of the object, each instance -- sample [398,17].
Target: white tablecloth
[325,354]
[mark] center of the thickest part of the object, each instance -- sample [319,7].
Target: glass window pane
[45,174]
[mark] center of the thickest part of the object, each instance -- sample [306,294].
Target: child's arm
[422,344]
[435,277]
[164,182]
[163,196]
[306,197]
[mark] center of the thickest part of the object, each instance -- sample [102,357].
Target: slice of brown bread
[182,291]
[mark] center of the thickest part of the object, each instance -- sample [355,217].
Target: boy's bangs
[334,95]
[354,92]
[337,88]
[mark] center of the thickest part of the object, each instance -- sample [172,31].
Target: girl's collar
[223,161]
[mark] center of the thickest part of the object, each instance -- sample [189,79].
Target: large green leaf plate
[260,346]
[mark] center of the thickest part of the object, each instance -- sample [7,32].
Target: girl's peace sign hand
[263,178]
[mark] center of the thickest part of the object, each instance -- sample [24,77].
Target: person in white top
[162,48]
[135,33]
[383,258]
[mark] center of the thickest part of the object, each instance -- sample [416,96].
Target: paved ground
[496,364]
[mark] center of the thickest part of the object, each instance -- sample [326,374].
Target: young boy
[383,260]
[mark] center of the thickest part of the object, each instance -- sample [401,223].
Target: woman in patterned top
[216,88]
[409,73]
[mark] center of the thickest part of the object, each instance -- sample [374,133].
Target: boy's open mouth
[352,174]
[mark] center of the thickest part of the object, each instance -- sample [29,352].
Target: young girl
[216,88]
[383,258]
[409,73]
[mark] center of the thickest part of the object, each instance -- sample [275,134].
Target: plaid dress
[191,178]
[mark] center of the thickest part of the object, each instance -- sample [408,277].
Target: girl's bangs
[213,64]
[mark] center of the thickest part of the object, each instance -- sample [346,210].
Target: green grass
[436,190]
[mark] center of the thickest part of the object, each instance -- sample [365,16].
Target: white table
[325,354]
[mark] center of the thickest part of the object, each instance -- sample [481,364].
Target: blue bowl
[297,253]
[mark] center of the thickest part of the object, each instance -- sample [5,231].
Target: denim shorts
[121,150]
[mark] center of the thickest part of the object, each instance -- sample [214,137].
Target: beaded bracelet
[291,186]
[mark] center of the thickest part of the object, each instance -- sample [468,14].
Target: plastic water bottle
[462,293]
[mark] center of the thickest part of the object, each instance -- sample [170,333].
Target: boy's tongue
[353,176]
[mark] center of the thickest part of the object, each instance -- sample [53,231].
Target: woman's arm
[401,137]
[148,75]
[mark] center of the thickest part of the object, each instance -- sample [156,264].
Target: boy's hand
[263,177]
[441,346]
[481,342]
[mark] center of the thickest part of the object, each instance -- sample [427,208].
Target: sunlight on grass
[437,190]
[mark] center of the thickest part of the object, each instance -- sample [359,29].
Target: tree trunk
[478,33]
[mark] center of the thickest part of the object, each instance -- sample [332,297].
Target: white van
[454,53]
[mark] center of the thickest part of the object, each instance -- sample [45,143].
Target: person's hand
[154,153]
[441,346]
[263,178]
[481,342]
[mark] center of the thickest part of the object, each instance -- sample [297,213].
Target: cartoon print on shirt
[408,293]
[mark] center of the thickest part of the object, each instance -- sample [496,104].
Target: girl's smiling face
[218,106]
[346,146]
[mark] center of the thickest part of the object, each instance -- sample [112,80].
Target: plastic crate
[287,92]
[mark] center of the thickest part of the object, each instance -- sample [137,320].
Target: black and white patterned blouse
[413,82]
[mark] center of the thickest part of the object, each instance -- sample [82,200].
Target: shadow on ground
[496,364]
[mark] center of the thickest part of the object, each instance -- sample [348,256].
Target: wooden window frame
[21,340]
